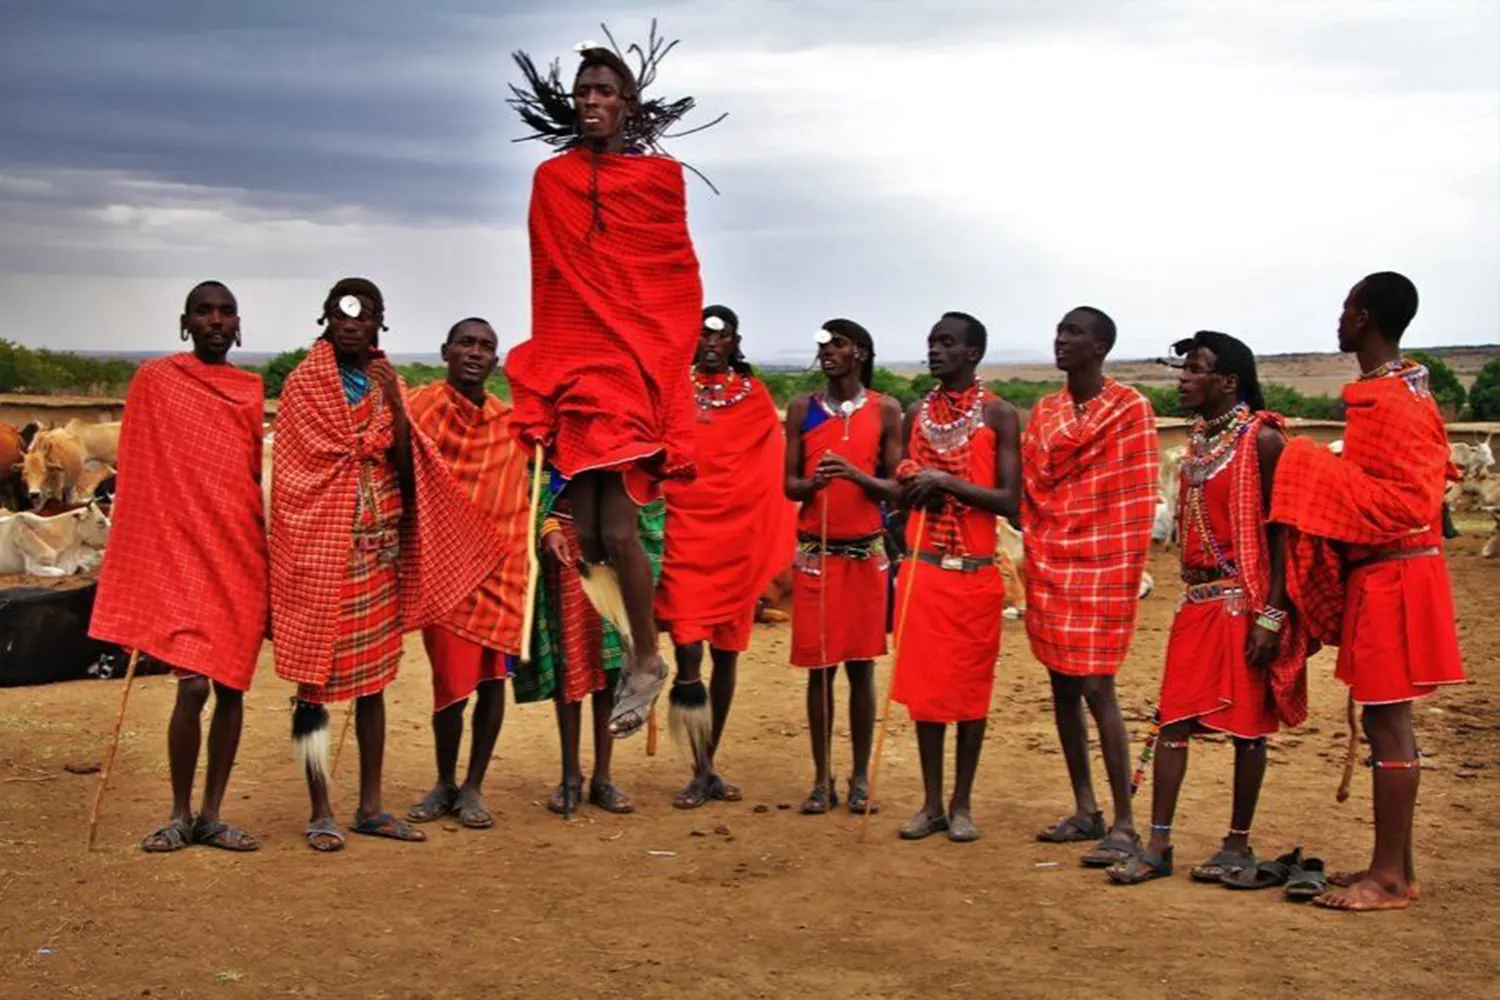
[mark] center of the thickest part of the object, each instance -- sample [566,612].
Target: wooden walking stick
[653,732]
[533,556]
[114,745]
[338,751]
[1351,753]
[885,711]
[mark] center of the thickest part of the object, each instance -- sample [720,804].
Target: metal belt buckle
[952,563]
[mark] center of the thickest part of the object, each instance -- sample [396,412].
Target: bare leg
[184,735]
[930,748]
[1167,774]
[721,694]
[1249,774]
[1387,883]
[1114,740]
[369,727]
[602,789]
[1072,732]
[968,743]
[489,716]
[818,722]
[690,671]
[861,675]
[447,734]
[619,532]
[223,745]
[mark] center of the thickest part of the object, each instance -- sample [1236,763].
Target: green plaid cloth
[534,681]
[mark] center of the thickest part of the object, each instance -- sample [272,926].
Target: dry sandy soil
[748,904]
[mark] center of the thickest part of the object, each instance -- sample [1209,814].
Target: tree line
[42,371]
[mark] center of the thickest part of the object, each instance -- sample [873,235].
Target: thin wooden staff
[338,751]
[653,732]
[1148,750]
[1350,753]
[533,556]
[114,745]
[828,671]
[885,712]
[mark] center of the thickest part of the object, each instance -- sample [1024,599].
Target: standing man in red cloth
[1366,566]
[963,467]
[726,536]
[185,578]
[1090,454]
[474,647]
[616,305]
[843,446]
[1236,658]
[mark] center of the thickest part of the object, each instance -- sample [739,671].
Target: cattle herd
[55,489]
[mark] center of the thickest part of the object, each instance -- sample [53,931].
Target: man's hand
[555,547]
[926,489]
[383,374]
[1261,646]
[833,466]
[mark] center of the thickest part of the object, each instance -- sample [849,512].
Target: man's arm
[390,387]
[1004,498]
[1262,645]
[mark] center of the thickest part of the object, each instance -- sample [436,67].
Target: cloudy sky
[1180,165]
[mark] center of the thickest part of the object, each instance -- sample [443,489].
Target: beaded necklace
[846,409]
[718,395]
[1212,445]
[955,433]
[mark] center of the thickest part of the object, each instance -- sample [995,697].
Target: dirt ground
[747,903]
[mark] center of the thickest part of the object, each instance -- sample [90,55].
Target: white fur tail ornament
[690,717]
[602,587]
[310,739]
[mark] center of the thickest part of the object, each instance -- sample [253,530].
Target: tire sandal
[1267,874]
[1141,867]
[604,795]
[922,825]
[1113,851]
[441,801]
[1074,830]
[722,791]
[634,698]
[557,804]
[388,826]
[1306,881]
[859,798]
[820,800]
[1223,864]
[176,835]
[223,836]
[325,828]
[472,814]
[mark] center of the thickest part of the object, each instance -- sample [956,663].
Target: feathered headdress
[546,105]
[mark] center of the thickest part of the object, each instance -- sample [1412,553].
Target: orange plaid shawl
[1086,513]
[446,546]
[489,463]
[1252,558]
[1385,492]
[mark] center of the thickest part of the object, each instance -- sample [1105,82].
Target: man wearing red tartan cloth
[1366,566]
[474,647]
[726,536]
[1236,659]
[963,468]
[602,382]
[1090,457]
[843,446]
[370,538]
[185,577]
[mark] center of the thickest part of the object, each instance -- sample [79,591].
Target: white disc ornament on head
[583,47]
[714,323]
[350,306]
[822,337]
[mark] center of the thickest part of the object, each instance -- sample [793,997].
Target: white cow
[53,546]
[1474,461]
[1169,489]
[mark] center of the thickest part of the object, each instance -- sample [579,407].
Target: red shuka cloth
[615,318]
[1206,674]
[185,574]
[1086,517]
[946,651]
[729,530]
[446,545]
[1394,621]
[849,623]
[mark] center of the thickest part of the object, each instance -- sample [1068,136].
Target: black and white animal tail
[310,739]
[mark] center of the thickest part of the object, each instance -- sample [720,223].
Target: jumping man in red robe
[603,381]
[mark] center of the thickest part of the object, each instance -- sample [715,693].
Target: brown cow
[52,467]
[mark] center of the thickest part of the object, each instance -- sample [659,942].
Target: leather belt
[956,564]
[1397,556]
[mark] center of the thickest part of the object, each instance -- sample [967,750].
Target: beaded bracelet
[1271,619]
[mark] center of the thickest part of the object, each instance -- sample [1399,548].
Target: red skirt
[946,653]
[459,665]
[849,623]
[1398,641]
[1207,678]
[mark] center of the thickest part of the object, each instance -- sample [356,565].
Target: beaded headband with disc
[350,306]
[822,337]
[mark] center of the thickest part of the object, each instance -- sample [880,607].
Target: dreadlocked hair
[547,108]
[362,288]
[860,337]
[1231,357]
[737,361]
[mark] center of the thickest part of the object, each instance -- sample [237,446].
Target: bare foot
[1363,896]
[1346,879]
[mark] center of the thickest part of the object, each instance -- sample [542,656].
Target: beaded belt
[956,564]
[810,551]
[381,540]
[1382,557]
[1231,593]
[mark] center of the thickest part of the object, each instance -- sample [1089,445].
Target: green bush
[39,370]
[278,368]
[1484,394]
